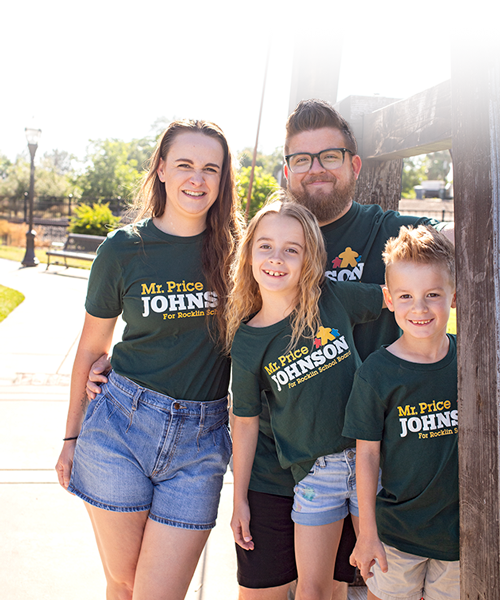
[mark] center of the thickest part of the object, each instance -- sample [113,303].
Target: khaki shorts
[412,577]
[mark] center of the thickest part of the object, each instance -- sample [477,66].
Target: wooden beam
[379,181]
[476,142]
[316,65]
[417,125]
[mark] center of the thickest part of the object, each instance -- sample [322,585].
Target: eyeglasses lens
[329,159]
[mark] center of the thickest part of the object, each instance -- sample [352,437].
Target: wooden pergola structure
[462,115]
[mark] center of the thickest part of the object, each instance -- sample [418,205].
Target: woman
[150,453]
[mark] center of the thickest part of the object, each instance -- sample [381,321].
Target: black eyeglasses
[329,159]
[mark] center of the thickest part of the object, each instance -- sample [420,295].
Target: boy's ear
[454,300]
[387,298]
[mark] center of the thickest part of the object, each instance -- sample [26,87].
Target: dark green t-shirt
[354,245]
[412,409]
[306,388]
[155,280]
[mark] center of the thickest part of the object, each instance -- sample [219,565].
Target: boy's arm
[245,433]
[368,546]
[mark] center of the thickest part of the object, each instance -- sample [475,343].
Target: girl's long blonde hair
[245,299]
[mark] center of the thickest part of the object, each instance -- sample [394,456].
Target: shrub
[93,220]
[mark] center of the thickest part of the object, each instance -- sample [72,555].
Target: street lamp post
[30,260]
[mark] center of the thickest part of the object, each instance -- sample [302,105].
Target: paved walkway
[47,548]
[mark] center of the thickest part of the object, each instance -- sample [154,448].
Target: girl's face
[278,250]
[191,173]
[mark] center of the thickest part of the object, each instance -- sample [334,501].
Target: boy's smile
[420,295]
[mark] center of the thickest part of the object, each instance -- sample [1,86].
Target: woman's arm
[368,546]
[95,340]
[245,433]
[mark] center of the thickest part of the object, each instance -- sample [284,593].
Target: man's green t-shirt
[155,281]
[354,245]
[411,408]
[306,387]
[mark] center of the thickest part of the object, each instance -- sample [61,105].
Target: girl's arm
[95,340]
[368,546]
[245,434]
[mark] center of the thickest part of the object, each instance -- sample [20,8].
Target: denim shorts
[411,577]
[328,492]
[141,450]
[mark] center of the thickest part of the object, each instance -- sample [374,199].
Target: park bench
[77,245]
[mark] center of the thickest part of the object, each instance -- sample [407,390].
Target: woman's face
[191,173]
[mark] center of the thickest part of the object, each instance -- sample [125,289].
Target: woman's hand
[240,524]
[65,463]
[98,372]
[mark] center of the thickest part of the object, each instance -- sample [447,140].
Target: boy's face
[420,296]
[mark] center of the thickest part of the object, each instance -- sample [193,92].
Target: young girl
[149,453]
[296,349]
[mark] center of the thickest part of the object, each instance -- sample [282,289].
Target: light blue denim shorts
[141,450]
[328,492]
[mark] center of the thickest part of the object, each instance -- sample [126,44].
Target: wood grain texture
[419,124]
[379,182]
[476,143]
[316,65]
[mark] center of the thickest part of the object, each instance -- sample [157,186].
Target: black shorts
[272,561]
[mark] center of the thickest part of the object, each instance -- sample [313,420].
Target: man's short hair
[422,245]
[314,114]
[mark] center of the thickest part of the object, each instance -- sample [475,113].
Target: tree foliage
[263,185]
[93,220]
[413,174]
[271,163]
[438,165]
[15,180]
[114,168]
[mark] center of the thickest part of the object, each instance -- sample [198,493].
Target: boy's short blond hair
[421,245]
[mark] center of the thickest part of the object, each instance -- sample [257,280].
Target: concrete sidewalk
[47,548]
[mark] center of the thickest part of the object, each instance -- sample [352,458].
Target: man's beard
[326,206]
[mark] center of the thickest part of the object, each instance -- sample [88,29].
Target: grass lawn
[17,254]
[9,299]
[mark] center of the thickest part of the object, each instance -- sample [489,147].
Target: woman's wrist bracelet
[70,438]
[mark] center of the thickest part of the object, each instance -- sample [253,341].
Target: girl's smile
[277,255]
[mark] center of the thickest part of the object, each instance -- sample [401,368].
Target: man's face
[327,194]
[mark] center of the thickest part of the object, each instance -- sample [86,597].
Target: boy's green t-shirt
[354,245]
[155,281]
[411,408]
[306,387]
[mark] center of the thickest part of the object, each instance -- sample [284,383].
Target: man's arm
[368,546]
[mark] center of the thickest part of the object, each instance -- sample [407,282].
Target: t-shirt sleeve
[365,411]
[245,385]
[362,301]
[105,287]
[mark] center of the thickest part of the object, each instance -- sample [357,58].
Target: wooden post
[316,65]
[476,159]
[380,180]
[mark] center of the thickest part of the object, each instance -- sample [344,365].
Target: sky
[107,69]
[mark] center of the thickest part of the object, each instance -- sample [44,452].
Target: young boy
[403,413]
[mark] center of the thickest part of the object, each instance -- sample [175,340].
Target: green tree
[93,220]
[48,181]
[413,174]
[4,165]
[263,185]
[438,165]
[271,163]
[114,168]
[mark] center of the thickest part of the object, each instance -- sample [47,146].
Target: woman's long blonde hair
[245,299]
